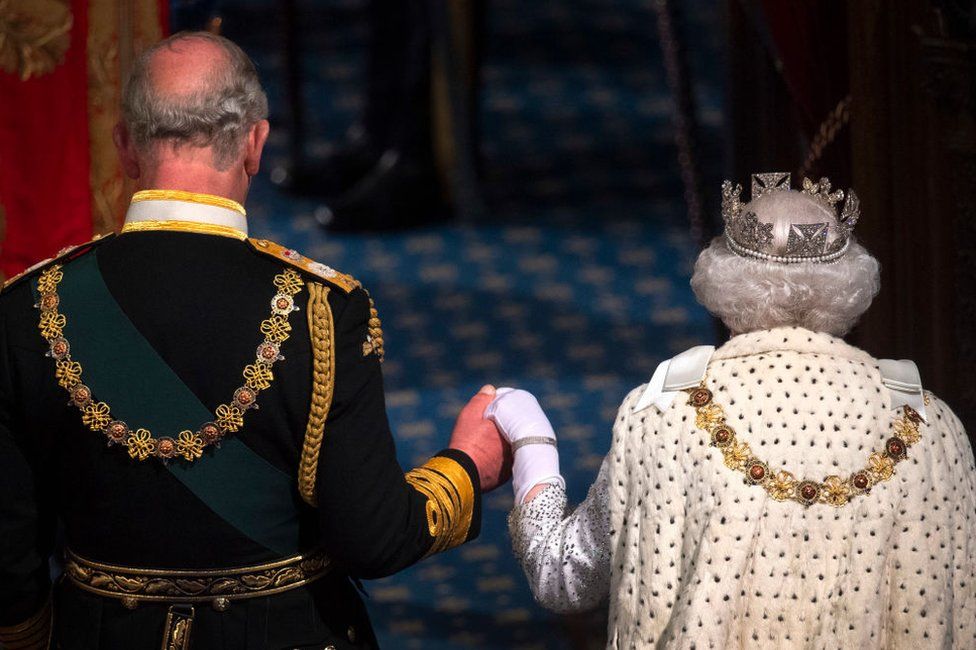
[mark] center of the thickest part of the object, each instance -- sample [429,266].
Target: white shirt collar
[178,206]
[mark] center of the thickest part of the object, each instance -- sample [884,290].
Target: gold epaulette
[63,254]
[293,258]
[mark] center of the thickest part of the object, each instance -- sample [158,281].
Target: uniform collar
[791,339]
[176,210]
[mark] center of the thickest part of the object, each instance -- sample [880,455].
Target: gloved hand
[525,426]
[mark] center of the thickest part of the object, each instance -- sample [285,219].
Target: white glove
[525,426]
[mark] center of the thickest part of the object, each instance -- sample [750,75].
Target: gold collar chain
[140,443]
[782,485]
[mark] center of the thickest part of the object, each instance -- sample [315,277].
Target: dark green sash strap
[124,370]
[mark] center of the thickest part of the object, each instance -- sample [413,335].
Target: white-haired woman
[783,490]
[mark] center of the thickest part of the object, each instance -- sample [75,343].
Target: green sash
[123,370]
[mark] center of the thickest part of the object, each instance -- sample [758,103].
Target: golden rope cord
[321,333]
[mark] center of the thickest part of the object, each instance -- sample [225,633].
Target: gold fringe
[322,335]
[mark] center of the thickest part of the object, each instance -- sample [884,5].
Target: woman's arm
[566,559]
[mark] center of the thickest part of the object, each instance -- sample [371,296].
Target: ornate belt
[218,587]
[182,587]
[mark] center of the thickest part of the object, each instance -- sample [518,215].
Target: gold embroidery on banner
[34,36]
[782,485]
[140,444]
[450,501]
[195,585]
[322,334]
[184,226]
[118,32]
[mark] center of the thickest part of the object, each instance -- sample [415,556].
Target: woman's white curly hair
[749,294]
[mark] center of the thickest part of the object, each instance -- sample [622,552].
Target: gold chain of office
[781,485]
[188,445]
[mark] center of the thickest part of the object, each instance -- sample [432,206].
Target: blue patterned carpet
[575,287]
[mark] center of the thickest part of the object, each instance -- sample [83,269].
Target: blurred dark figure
[190,15]
[389,172]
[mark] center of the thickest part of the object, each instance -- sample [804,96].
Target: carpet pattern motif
[574,288]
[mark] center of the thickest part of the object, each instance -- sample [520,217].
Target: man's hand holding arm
[375,519]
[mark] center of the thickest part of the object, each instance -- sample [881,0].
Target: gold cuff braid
[322,335]
[32,634]
[450,501]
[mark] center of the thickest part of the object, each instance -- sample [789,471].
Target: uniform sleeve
[566,559]
[375,519]
[26,528]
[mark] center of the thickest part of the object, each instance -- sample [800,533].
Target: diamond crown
[807,242]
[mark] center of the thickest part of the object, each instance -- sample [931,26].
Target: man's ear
[256,138]
[127,152]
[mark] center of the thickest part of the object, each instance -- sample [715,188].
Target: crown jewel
[747,235]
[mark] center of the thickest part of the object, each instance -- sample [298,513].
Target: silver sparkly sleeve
[566,559]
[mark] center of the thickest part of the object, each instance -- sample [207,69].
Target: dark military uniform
[129,371]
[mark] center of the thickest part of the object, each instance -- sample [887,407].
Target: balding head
[194,89]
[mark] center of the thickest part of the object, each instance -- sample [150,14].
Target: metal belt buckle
[176,632]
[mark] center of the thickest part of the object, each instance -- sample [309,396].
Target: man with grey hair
[131,371]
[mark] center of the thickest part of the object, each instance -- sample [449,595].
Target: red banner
[62,63]
[44,162]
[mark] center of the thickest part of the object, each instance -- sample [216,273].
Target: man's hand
[480,440]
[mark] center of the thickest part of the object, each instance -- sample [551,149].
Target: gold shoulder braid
[140,443]
[782,485]
[321,331]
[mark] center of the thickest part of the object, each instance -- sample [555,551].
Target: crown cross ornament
[748,235]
